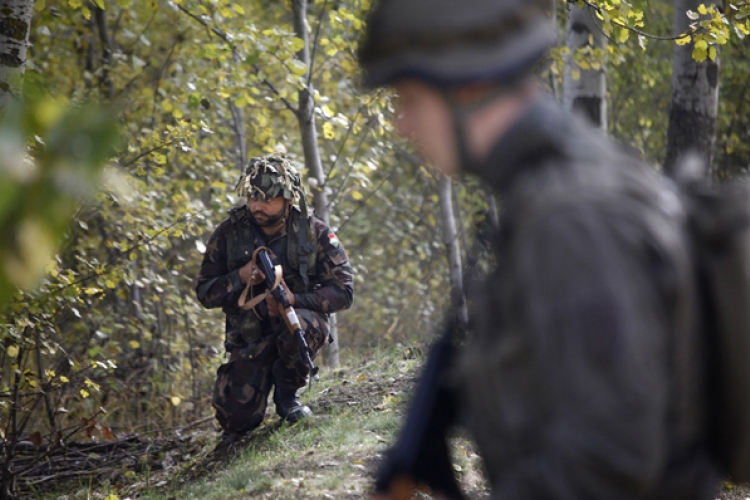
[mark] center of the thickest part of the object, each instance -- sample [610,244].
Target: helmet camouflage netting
[271,176]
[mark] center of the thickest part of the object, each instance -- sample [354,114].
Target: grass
[358,410]
[329,457]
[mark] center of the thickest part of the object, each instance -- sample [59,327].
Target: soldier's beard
[268,220]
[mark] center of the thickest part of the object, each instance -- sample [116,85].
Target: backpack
[719,226]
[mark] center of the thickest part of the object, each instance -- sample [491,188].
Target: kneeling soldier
[263,353]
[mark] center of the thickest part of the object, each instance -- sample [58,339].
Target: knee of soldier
[315,326]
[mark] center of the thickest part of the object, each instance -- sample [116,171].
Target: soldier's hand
[249,272]
[273,306]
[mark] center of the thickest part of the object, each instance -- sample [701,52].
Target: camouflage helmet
[269,177]
[449,43]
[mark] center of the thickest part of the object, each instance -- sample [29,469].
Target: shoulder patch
[333,240]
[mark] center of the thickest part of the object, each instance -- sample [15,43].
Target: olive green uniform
[262,352]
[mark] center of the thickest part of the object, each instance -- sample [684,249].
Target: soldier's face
[423,117]
[269,211]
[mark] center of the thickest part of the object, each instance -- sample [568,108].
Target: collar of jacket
[543,130]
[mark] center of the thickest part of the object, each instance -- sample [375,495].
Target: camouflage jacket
[585,376]
[330,276]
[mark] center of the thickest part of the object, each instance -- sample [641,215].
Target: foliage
[115,322]
[39,191]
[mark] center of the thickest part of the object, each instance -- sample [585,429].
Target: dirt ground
[363,390]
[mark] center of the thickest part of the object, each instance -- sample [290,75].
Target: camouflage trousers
[274,360]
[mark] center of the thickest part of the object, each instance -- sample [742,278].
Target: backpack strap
[305,247]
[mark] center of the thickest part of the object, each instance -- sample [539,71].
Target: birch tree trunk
[15,21]
[313,163]
[695,97]
[450,238]
[586,94]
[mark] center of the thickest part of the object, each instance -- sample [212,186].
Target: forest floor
[358,410]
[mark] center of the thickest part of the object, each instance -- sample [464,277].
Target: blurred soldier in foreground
[583,374]
[262,351]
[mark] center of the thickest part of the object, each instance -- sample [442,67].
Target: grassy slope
[358,410]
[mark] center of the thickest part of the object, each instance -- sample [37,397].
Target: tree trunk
[15,21]
[313,163]
[450,238]
[695,97]
[586,94]
[105,82]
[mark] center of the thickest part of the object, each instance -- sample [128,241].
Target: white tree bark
[695,97]
[15,21]
[588,93]
[313,163]
[450,238]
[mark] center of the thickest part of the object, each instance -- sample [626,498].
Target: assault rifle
[264,264]
[420,456]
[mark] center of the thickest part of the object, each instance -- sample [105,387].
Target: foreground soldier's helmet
[454,42]
[269,177]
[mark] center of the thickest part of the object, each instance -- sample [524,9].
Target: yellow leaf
[92,291]
[699,54]
[683,40]
[238,9]
[39,5]
[84,393]
[75,4]
[100,4]
[357,195]
[86,12]
[712,53]
[297,44]
[112,496]
[166,106]
[360,378]
[298,67]
[241,101]
[701,44]
[177,113]
[12,351]
[702,9]
[176,400]
[64,379]
[133,256]
[134,344]
[623,36]
[110,284]
[576,74]
[328,132]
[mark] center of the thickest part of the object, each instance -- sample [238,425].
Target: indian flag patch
[333,240]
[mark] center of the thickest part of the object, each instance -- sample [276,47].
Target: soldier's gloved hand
[249,272]
[273,306]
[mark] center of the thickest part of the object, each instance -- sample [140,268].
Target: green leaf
[297,44]
[699,54]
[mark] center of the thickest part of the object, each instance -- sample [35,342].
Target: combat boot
[288,406]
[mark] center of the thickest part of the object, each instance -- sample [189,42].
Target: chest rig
[296,251]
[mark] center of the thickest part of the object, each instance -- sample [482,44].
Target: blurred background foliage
[113,323]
